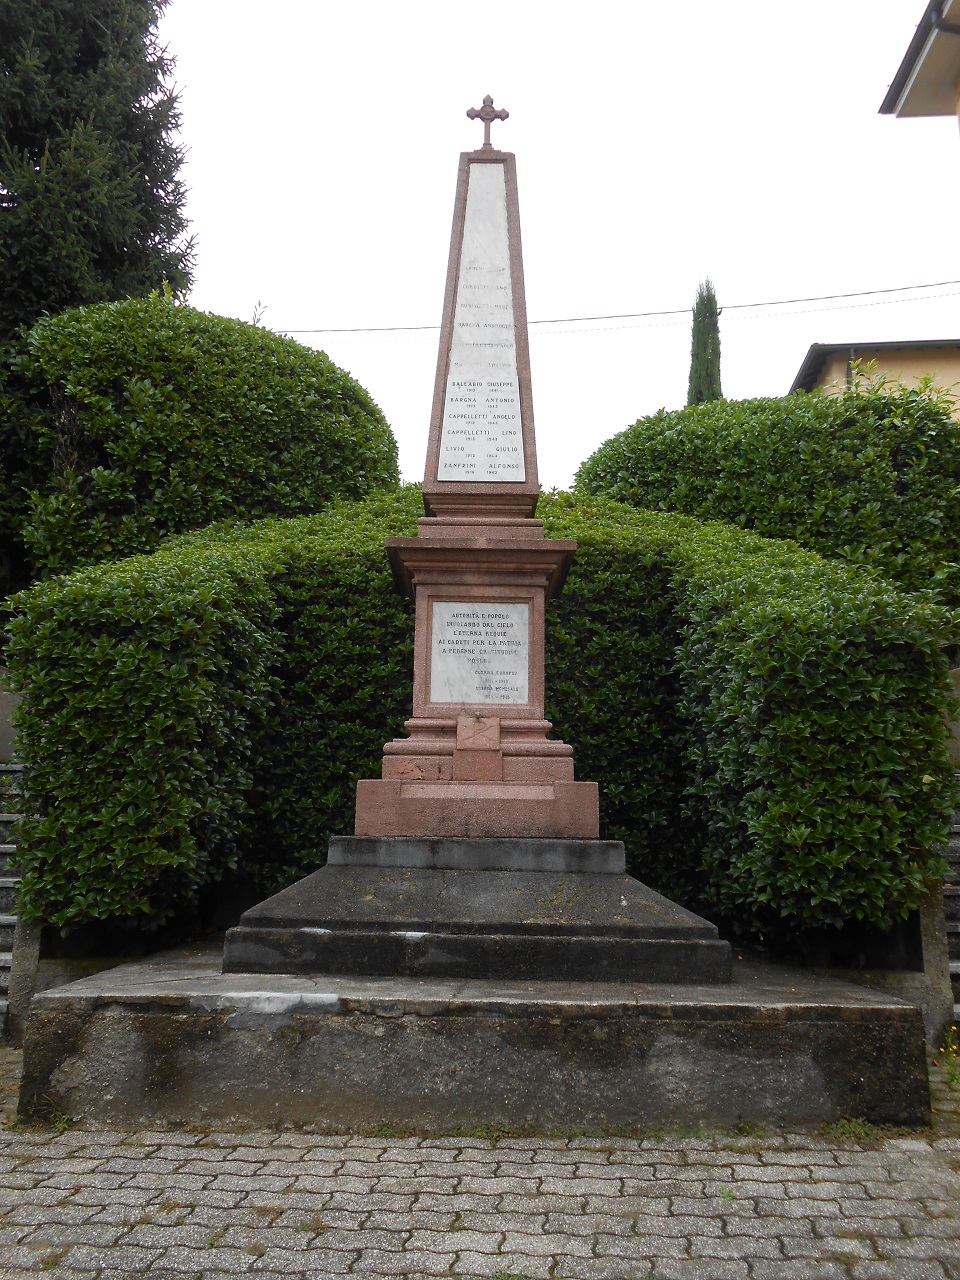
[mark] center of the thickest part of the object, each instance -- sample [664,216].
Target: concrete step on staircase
[951,908]
[10,808]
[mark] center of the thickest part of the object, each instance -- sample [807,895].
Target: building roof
[927,78]
[818,355]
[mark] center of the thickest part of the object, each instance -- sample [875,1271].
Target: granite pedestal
[516,909]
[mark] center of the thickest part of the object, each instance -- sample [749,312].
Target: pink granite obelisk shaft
[477,761]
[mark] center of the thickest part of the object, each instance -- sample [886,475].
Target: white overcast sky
[656,143]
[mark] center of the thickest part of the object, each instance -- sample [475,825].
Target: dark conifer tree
[91,205]
[704,381]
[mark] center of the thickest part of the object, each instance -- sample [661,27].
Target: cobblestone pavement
[849,1204]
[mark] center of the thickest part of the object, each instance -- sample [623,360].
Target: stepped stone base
[393,807]
[174,1041]
[530,909]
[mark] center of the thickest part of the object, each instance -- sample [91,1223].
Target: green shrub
[765,725]
[132,420]
[871,476]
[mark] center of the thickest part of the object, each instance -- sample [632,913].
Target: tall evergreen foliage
[704,381]
[90,198]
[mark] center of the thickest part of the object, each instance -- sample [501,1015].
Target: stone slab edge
[596,857]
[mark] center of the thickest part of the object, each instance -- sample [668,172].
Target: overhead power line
[643,315]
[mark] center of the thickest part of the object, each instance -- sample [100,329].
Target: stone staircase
[951,909]
[9,878]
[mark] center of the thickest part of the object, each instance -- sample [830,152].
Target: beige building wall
[904,364]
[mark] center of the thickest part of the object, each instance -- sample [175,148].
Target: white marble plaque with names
[481,438]
[479,653]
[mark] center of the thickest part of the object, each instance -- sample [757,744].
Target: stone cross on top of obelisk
[487,114]
[481,458]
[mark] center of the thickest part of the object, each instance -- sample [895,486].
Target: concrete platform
[174,1041]
[513,909]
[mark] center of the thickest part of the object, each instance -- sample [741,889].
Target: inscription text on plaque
[480,653]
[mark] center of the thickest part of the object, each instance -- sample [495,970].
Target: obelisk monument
[477,761]
[476,854]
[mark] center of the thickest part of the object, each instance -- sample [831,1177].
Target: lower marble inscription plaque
[479,653]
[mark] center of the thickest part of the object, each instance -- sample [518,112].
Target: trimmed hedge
[129,421]
[871,476]
[765,725]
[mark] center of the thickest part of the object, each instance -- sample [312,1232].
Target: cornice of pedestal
[481,561]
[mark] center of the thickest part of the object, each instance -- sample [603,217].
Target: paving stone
[425,1219]
[850,1225]
[930,1248]
[517,1242]
[393,1264]
[380,1200]
[798,1269]
[753,1225]
[467,1241]
[513,1168]
[239,1168]
[770,1206]
[342,1238]
[643,1208]
[14,1235]
[155,1273]
[849,1247]
[30,1215]
[806,1159]
[395,1144]
[538,1203]
[123,1257]
[699,1269]
[162,1180]
[368,1170]
[643,1245]
[213,1258]
[871,1270]
[585,1224]
[529,1266]
[735,1247]
[321,1262]
[493,1185]
[568,1268]
[682,1224]
[742,1190]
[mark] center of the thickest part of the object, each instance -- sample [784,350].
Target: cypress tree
[91,205]
[704,381]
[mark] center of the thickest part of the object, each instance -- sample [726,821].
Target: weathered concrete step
[951,901]
[6,964]
[7,925]
[952,929]
[411,907]
[9,887]
[955,978]
[772,1045]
